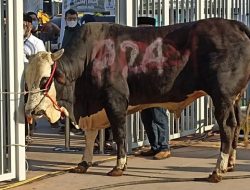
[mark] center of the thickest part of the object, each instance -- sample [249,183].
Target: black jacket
[68,34]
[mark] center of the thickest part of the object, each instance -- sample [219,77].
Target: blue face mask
[34,25]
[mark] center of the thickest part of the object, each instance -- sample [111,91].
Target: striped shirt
[32,45]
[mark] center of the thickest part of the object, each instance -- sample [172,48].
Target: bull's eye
[43,82]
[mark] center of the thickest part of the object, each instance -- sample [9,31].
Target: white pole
[18,69]
[165,12]
[124,13]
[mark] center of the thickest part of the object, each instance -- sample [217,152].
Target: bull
[110,66]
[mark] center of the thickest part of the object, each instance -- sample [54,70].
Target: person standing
[72,26]
[35,23]
[71,29]
[155,120]
[32,45]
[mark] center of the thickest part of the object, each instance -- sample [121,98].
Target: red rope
[51,77]
[46,89]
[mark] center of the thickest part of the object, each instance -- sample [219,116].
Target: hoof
[230,168]
[117,172]
[224,171]
[81,168]
[214,178]
[246,143]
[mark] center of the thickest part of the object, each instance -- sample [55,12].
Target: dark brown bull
[112,66]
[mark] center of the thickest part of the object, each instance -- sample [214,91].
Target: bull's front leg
[88,152]
[116,108]
[121,163]
[225,115]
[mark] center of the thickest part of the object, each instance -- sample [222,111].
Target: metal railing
[198,117]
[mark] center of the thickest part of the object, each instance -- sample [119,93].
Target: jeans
[155,123]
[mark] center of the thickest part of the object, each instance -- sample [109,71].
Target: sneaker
[148,153]
[162,155]
[76,131]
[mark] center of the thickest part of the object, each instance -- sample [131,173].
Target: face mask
[71,24]
[34,25]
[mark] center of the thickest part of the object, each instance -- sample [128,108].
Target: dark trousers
[155,123]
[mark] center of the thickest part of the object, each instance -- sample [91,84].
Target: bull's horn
[56,55]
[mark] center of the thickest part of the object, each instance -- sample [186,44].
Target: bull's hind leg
[235,132]
[116,108]
[226,119]
[88,152]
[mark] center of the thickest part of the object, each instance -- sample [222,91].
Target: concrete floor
[188,168]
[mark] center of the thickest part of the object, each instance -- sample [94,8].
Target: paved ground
[187,169]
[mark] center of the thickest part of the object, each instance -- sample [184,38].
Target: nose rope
[55,104]
[51,77]
[46,94]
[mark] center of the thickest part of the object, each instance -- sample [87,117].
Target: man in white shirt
[32,44]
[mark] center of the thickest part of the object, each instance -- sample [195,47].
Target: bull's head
[39,78]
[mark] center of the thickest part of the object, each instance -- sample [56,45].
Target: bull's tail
[244,28]
[245,125]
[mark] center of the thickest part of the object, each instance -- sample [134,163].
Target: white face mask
[34,25]
[72,23]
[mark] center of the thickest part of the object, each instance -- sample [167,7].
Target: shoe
[76,131]
[28,140]
[162,155]
[148,153]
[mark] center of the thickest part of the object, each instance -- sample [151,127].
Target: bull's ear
[60,76]
[56,55]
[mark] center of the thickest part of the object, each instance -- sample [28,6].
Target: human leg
[151,131]
[160,124]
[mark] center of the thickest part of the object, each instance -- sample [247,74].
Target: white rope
[24,92]
[21,145]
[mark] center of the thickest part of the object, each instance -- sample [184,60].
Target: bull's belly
[99,120]
[173,107]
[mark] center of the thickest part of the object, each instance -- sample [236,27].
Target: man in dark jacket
[72,26]
[155,120]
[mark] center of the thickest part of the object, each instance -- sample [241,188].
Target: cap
[146,20]
[27,18]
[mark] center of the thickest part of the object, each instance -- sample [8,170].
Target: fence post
[200,7]
[165,12]
[123,12]
[229,12]
[129,129]
[18,57]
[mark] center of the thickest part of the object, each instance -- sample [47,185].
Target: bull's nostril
[41,112]
[33,112]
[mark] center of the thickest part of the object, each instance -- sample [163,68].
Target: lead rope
[55,104]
